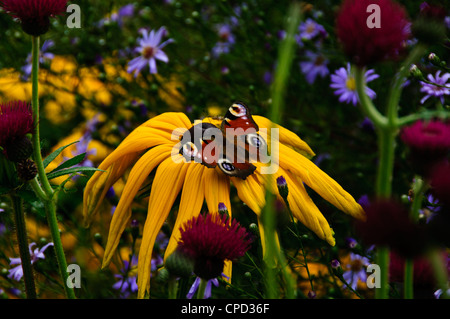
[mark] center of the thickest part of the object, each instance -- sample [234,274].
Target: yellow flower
[151,145]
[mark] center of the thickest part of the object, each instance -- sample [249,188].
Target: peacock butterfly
[233,147]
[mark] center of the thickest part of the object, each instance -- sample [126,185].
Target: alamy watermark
[74,278]
[374,19]
[74,19]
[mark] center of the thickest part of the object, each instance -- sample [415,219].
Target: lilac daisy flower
[435,90]
[127,278]
[343,81]
[356,270]
[209,284]
[44,57]
[226,40]
[150,48]
[316,65]
[195,285]
[16,273]
[310,29]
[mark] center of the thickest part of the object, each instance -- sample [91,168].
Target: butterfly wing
[198,144]
[242,142]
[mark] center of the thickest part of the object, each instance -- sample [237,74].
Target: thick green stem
[46,190]
[173,288]
[440,271]
[201,289]
[50,209]
[24,251]
[408,279]
[273,256]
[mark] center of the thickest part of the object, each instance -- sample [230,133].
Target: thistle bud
[26,169]
[179,264]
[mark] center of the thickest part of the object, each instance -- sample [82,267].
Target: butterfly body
[232,147]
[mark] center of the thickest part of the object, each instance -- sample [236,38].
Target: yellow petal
[122,214]
[304,209]
[99,184]
[191,202]
[167,183]
[156,131]
[286,136]
[251,192]
[217,190]
[319,181]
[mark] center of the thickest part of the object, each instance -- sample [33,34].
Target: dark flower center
[148,52]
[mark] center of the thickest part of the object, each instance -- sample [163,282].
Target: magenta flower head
[440,182]
[366,42]
[429,143]
[210,240]
[34,15]
[388,225]
[16,121]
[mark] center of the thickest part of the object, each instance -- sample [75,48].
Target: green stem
[418,190]
[50,209]
[173,288]
[45,191]
[201,288]
[24,251]
[408,279]
[273,257]
[440,272]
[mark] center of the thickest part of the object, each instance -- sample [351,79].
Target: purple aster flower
[16,273]
[44,57]
[226,40]
[316,65]
[443,88]
[150,48]
[127,278]
[356,270]
[195,285]
[343,81]
[309,30]
[209,284]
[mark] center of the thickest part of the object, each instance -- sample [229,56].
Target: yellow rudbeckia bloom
[151,145]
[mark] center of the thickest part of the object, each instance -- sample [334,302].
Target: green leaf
[71,170]
[53,155]
[71,162]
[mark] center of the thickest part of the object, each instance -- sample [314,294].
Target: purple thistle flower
[150,48]
[343,81]
[435,90]
[316,65]
[16,273]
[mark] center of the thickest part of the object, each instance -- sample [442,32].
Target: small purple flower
[356,270]
[16,273]
[343,81]
[150,48]
[226,40]
[435,90]
[127,278]
[44,57]
[209,284]
[316,65]
[309,30]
